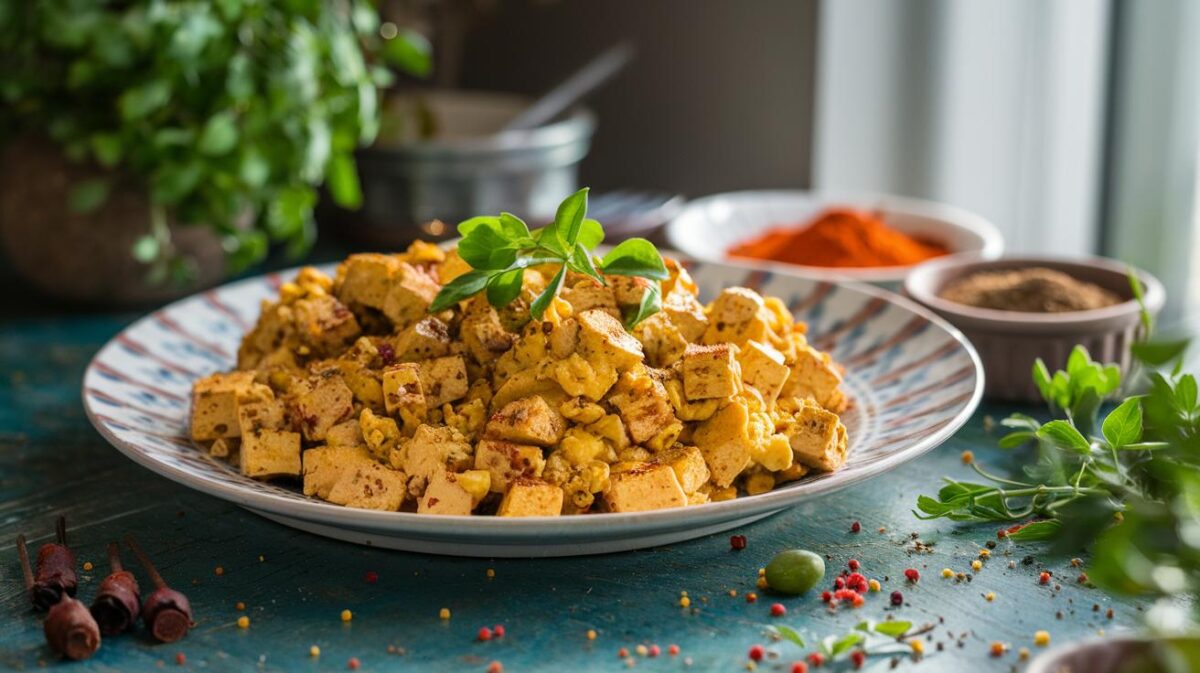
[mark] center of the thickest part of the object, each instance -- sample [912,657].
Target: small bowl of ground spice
[870,238]
[1016,310]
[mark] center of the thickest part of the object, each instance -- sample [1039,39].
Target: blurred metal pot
[441,156]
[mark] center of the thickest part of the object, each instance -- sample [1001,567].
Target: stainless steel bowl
[467,166]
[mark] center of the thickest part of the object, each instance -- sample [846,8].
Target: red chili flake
[845,594]
[1083,578]
[858,583]
[372,577]
[897,598]
[622,653]
[498,630]
[777,610]
[857,601]
[853,564]
[816,659]
[751,597]
[839,582]
[799,667]
[912,575]
[1109,613]
[857,658]
[180,658]
[495,667]
[1044,578]
[654,651]
[756,653]
[737,542]
[826,596]
[673,650]
[484,635]
[386,353]
[855,527]
[354,664]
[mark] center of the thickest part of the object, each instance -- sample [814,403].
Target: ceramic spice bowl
[1009,342]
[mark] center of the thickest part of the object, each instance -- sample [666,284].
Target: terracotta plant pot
[87,258]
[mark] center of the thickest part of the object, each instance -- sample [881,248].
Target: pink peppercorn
[912,575]
[853,564]
[495,667]
[372,577]
[839,583]
[354,664]
[799,667]
[655,651]
[857,601]
[622,653]
[816,659]
[1044,578]
[777,610]
[857,658]
[737,542]
[756,653]
[484,635]
[855,527]
[498,630]
[180,658]
[826,596]
[673,650]
[897,598]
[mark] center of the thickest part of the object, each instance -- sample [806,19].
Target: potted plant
[153,146]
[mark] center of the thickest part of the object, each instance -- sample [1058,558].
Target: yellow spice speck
[984,553]
[347,615]
[968,457]
[873,585]
[761,583]
[314,651]
[243,622]
[239,606]
[1023,654]
[219,571]
[491,572]
[918,647]
[762,572]
[685,602]
[1041,638]
[990,596]
[733,593]
[591,634]
[87,566]
[444,613]
[641,650]
[947,573]
[976,565]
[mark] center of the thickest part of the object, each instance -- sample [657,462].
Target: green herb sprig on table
[870,637]
[500,249]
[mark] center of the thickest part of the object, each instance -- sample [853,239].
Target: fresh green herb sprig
[869,636]
[500,249]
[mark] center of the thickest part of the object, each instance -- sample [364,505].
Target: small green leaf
[635,257]
[464,287]
[409,51]
[569,219]
[88,195]
[789,634]
[1036,531]
[142,100]
[515,229]
[467,226]
[591,234]
[1185,392]
[542,302]
[486,247]
[1158,353]
[893,629]
[651,303]
[845,643]
[581,261]
[1063,434]
[343,181]
[107,149]
[504,287]
[145,249]
[220,135]
[1123,425]
[1014,439]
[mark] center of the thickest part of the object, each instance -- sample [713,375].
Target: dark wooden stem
[27,569]
[114,558]
[60,528]
[145,561]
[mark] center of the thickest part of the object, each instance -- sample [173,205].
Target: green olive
[794,571]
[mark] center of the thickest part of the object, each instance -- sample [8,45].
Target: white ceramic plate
[708,227]
[912,378]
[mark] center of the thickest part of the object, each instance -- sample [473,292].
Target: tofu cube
[363,382]
[324,465]
[445,495]
[813,375]
[587,294]
[214,405]
[427,338]
[223,448]
[402,388]
[483,334]
[724,440]
[326,402]
[506,462]
[365,279]
[710,372]
[369,486]
[643,404]
[686,313]
[409,297]
[444,380]
[270,453]
[324,323]
[627,290]
[529,420]
[689,466]
[531,497]
[817,438]
[345,434]
[735,305]
[763,369]
[431,451]
[259,410]
[602,337]
[652,486]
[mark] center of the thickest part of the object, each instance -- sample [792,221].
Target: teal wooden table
[294,586]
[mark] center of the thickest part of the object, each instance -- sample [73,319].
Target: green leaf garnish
[499,248]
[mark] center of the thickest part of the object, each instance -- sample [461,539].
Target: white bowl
[708,227]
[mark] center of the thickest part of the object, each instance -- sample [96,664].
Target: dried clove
[118,603]
[55,573]
[166,612]
[70,629]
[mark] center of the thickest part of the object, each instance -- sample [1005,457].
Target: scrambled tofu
[349,386]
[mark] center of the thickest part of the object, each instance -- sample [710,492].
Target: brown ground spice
[1035,290]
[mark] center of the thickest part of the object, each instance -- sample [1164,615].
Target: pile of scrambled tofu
[350,385]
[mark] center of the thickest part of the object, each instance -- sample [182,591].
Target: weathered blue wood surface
[295,585]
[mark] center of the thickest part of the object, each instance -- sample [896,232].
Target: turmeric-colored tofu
[710,372]
[815,376]
[602,337]
[270,453]
[587,294]
[529,420]
[724,440]
[444,380]
[578,377]
[507,461]
[409,297]
[661,341]
[763,369]
[817,438]
[326,402]
[402,388]
[652,486]
[214,405]
[736,316]
[643,404]
[689,466]
[628,290]
[687,314]
[324,465]
[260,410]
[433,450]
[380,434]
[345,434]
[365,279]
[425,339]
[363,382]
[369,486]
[223,448]
[324,323]
[482,332]
[531,497]
[445,495]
